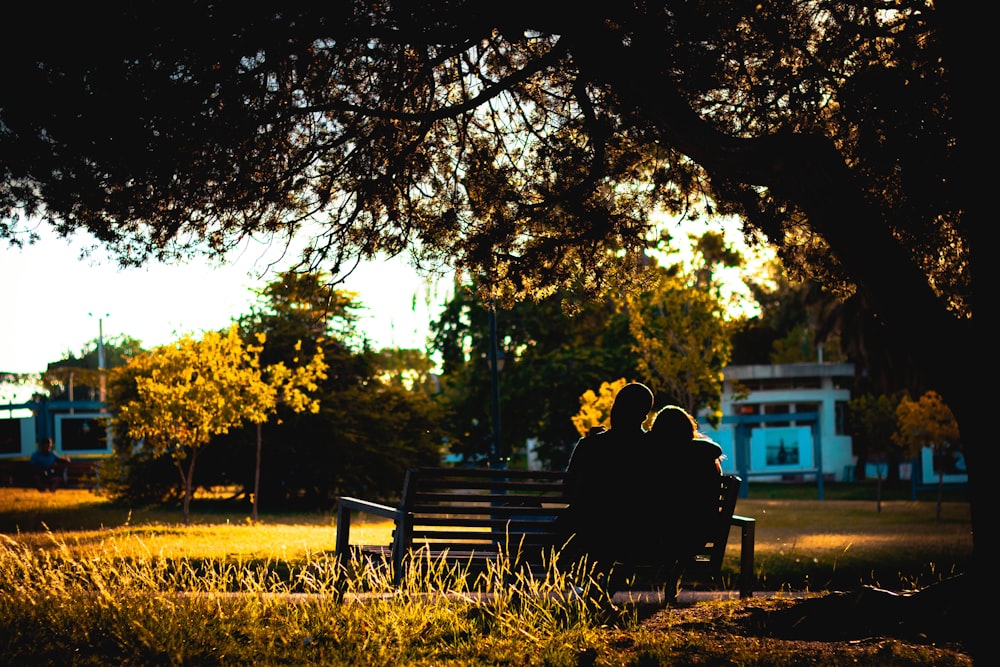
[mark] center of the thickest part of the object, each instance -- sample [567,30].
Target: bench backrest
[480,510]
[709,557]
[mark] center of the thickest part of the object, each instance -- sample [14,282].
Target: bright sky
[53,302]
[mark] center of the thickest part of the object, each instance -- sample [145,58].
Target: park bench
[471,516]
[78,473]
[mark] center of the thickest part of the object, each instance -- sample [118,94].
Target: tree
[846,135]
[550,360]
[193,390]
[378,414]
[683,341]
[673,337]
[74,377]
[928,422]
[871,421]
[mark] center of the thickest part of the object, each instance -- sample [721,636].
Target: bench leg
[343,550]
[746,560]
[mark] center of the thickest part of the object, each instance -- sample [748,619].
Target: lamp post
[102,390]
[497,458]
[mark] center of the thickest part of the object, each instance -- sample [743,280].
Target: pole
[497,459]
[102,385]
[103,394]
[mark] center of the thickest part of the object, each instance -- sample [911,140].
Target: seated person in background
[689,467]
[47,466]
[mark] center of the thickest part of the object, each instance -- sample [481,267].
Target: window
[841,417]
[10,436]
[82,433]
[777,409]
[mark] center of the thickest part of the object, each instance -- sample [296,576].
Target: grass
[105,582]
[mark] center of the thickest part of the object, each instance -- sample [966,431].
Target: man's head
[632,405]
[45,445]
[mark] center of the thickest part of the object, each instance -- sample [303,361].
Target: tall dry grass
[83,582]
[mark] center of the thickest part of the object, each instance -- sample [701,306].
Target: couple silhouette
[641,498]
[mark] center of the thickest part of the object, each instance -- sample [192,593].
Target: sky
[53,302]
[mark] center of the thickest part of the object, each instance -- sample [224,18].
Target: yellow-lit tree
[192,390]
[928,422]
[682,341]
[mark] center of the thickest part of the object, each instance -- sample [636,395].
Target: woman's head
[674,423]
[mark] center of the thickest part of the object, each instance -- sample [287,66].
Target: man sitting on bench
[47,466]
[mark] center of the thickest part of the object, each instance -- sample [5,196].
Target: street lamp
[102,391]
[496,359]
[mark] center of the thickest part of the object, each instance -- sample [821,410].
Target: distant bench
[471,516]
[78,473]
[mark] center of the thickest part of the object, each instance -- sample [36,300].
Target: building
[786,421]
[77,428]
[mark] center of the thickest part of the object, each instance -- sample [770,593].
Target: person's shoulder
[707,447]
[599,434]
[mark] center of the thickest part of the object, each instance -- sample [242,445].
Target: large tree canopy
[527,143]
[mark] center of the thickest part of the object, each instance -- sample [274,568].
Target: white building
[785,421]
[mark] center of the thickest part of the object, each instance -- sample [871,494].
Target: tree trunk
[185,505]
[256,476]
[892,472]
[188,480]
[860,468]
[940,494]
[878,488]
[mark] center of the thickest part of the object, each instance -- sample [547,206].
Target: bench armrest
[747,526]
[344,508]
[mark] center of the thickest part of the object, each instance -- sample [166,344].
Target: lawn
[800,544]
[58,550]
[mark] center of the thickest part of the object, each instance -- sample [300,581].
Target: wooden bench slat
[480,497]
[513,524]
[516,485]
[490,536]
[432,473]
[427,512]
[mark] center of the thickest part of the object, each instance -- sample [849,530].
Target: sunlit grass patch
[137,588]
[142,610]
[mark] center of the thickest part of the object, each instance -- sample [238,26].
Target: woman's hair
[673,422]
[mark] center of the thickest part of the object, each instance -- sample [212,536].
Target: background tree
[681,338]
[929,422]
[871,422]
[378,413]
[550,359]
[190,391]
[77,376]
[673,337]
[293,388]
